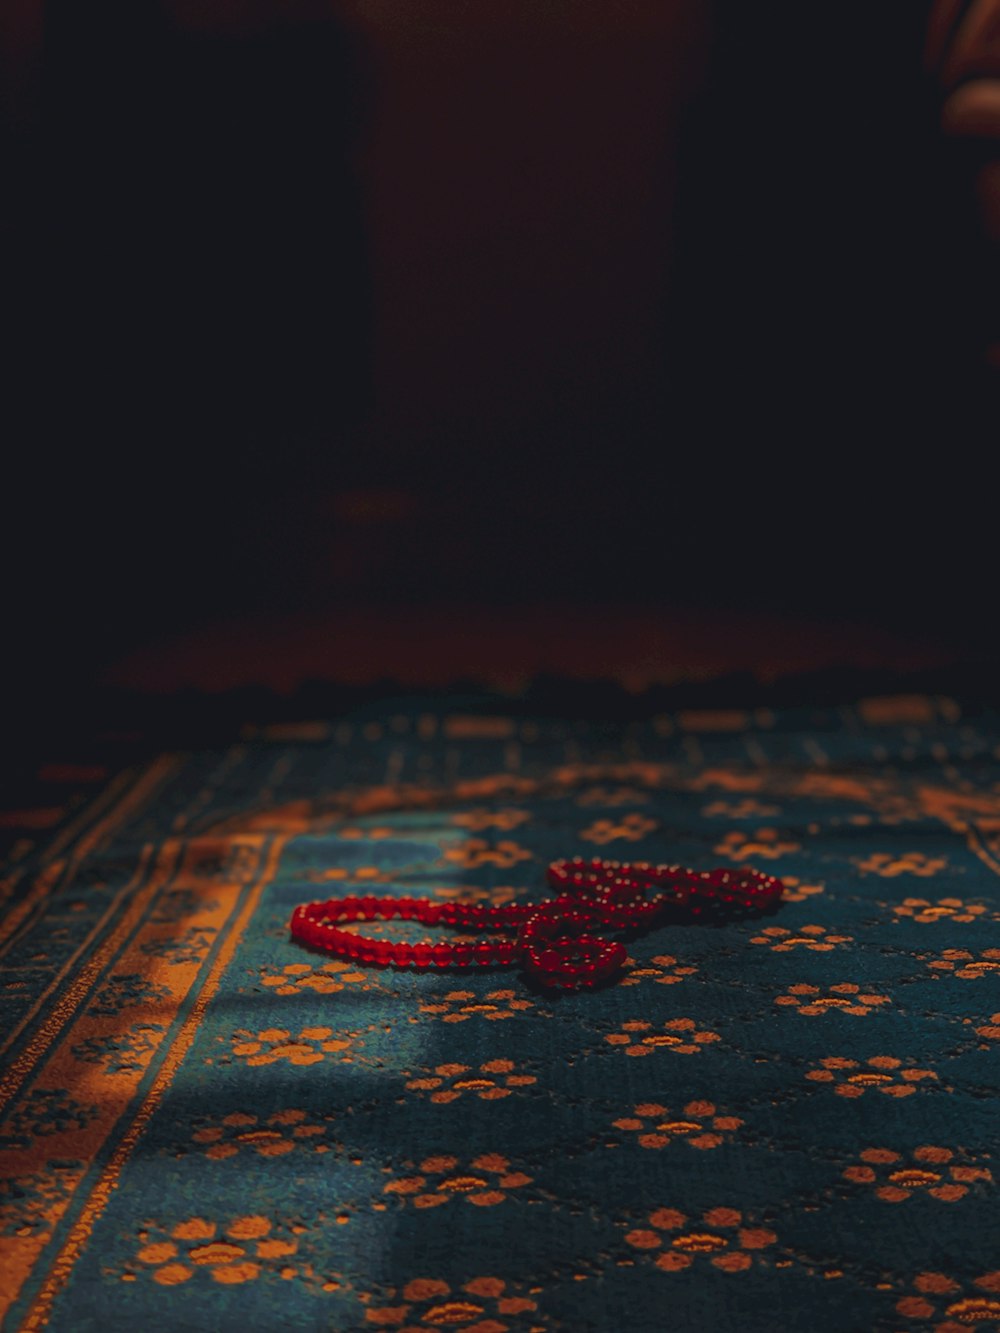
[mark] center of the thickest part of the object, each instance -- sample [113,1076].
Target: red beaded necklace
[552,940]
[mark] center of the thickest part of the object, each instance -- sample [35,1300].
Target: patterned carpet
[763,1124]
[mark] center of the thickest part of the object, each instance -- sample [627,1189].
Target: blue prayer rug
[763,1124]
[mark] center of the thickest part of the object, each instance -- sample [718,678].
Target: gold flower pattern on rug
[880,1073]
[458,1005]
[682,1036]
[948,1307]
[909,863]
[662,968]
[895,1177]
[845,997]
[942,909]
[324,979]
[699,1126]
[764,842]
[611,797]
[307,1047]
[482,1305]
[720,1237]
[336,874]
[275,1135]
[630,828]
[748,808]
[797,892]
[964,964]
[491,1082]
[478,821]
[476,852]
[496,896]
[485,1181]
[815,939]
[231,1253]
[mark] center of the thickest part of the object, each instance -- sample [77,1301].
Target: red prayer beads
[555,941]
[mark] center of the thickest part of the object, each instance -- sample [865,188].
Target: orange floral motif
[948,1307]
[638,771]
[838,787]
[698,1125]
[374,833]
[796,891]
[325,979]
[486,788]
[485,1182]
[881,1073]
[968,966]
[910,863]
[664,969]
[817,939]
[477,821]
[766,842]
[721,1236]
[482,1305]
[680,1035]
[491,1082]
[231,1253]
[944,909]
[990,1030]
[497,896]
[731,780]
[308,1047]
[929,1170]
[459,1005]
[745,809]
[278,1134]
[368,873]
[844,998]
[478,852]
[612,796]
[630,828]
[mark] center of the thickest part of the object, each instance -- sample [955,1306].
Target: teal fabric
[766,1124]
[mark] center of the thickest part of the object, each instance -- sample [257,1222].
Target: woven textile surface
[762,1124]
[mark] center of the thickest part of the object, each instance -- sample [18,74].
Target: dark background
[317,306]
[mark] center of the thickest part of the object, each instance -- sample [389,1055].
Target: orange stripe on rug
[63,1264]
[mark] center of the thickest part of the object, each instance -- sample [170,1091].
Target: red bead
[553,939]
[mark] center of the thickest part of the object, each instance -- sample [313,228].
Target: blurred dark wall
[832,314]
[315,302]
[189,309]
